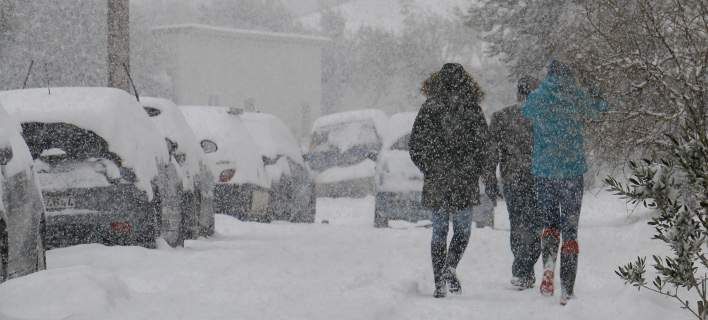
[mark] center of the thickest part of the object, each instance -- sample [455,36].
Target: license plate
[259,202]
[55,203]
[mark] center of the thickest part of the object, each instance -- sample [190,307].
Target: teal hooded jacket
[558,110]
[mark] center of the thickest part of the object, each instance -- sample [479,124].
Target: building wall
[279,75]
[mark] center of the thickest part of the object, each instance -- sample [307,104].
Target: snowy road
[286,271]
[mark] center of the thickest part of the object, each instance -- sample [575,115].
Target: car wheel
[379,220]
[4,251]
[41,256]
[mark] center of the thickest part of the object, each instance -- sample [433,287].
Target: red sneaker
[547,283]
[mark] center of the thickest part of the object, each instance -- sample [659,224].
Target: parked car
[197,188]
[292,190]
[400,182]
[103,167]
[343,152]
[22,249]
[242,187]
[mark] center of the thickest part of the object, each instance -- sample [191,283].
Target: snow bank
[272,136]
[171,123]
[236,148]
[364,169]
[346,211]
[315,271]
[76,292]
[110,113]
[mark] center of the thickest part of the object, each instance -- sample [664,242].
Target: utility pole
[118,20]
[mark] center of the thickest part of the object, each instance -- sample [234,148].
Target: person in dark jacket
[450,144]
[513,140]
[558,110]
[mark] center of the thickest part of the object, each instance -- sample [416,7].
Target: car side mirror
[373,156]
[5,155]
[171,146]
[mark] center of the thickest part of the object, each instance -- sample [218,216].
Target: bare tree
[648,58]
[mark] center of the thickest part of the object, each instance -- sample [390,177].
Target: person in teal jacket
[558,110]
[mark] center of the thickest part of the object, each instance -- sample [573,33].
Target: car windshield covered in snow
[344,144]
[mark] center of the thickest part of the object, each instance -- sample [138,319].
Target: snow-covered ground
[332,271]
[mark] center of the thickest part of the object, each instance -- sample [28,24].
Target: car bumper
[74,227]
[401,206]
[357,188]
[241,200]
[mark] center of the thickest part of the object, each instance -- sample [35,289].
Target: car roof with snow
[272,136]
[112,114]
[234,143]
[172,124]
[376,116]
[399,125]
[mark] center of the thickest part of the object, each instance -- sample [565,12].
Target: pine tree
[676,186]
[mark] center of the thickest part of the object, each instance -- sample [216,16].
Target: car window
[209,146]
[402,143]
[74,142]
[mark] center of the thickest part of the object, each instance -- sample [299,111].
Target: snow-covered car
[103,167]
[343,152]
[292,190]
[22,249]
[242,186]
[197,188]
[399,181]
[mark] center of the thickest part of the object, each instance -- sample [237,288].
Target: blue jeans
[461,225]
[560,201]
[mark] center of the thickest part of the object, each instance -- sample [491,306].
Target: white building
[269,72]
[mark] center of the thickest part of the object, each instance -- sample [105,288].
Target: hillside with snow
[386,14]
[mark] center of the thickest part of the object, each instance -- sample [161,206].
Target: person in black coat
[450,144]
[513,139]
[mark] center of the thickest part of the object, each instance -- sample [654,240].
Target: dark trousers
[526,225]
[560,201]
[461,225]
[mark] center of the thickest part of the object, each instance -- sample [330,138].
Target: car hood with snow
[112,114]
[396,170]
[233,148]
[172,124]
[275,142]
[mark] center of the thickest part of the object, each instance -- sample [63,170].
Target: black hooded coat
[450,144]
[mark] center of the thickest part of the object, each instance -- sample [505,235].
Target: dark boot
[549,241]
[569,266]
[440,289]
[439,257]
[452,281]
